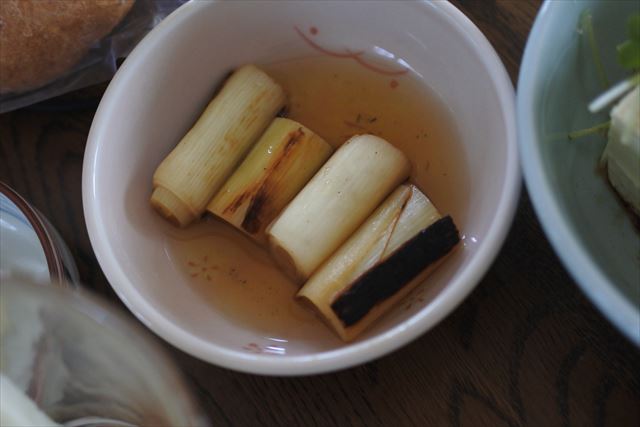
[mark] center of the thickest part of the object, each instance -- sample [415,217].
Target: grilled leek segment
[344,192]
[382,261]
[194,171]
[281,163]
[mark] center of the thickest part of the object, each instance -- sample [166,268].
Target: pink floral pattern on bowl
[359,55]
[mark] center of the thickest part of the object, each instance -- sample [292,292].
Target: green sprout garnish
[633,27]
[629,50]
[628,57]
[586,24]
[601,128]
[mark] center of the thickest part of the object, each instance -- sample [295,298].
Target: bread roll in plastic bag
[51,47]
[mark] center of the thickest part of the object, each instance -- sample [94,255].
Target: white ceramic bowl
[163,86]
[588,227]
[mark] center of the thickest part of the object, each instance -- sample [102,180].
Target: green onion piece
[586,24]
[633,27]
[589,131]
[629,54]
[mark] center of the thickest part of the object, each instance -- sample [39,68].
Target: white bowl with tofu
[428,109]
[585,189]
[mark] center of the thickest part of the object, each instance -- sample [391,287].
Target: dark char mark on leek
[259,209]
[385,279]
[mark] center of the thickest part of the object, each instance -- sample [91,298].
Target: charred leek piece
[344,192]
[381,262]
[195,170]
[281,163]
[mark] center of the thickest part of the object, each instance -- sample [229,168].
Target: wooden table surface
[525,349]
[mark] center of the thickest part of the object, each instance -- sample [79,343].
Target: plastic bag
[99,64]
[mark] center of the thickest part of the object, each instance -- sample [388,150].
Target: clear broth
[336,98]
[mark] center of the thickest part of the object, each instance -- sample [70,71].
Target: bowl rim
[351,354]
[589,277]
[49,249]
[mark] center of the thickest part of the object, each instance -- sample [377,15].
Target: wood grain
[526,349]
